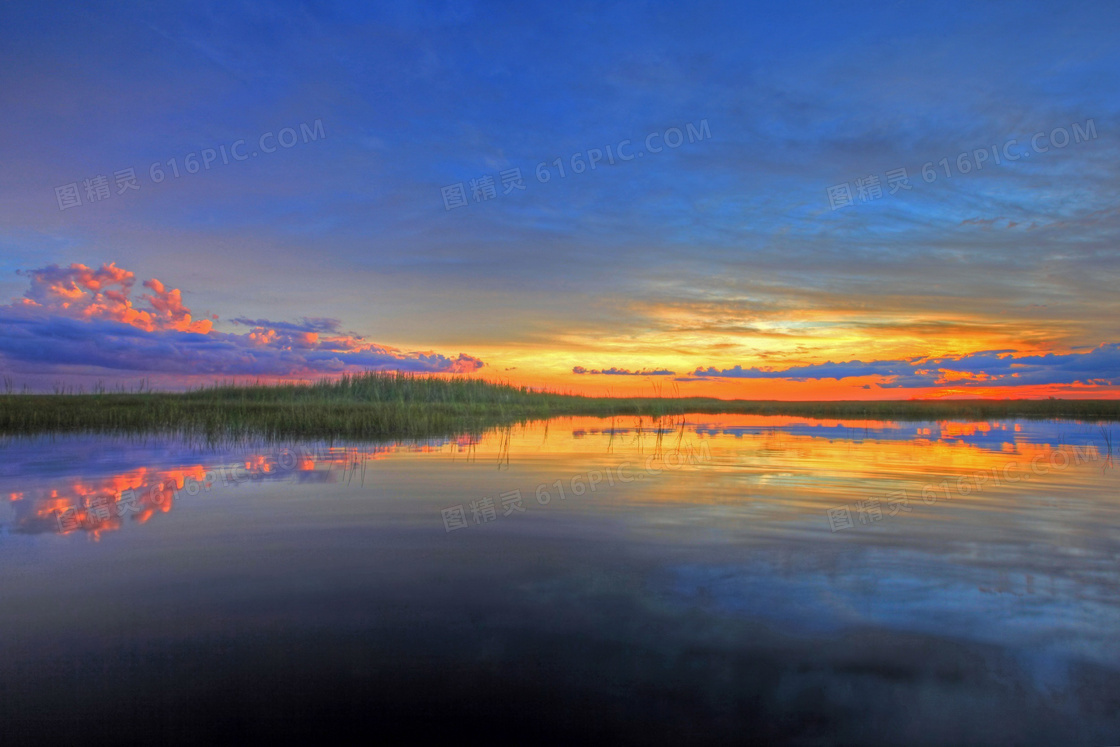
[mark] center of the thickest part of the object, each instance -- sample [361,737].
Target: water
[717,578]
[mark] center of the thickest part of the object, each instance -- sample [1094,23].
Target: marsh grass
[394,405]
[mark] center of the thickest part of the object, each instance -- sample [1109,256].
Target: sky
[795,200]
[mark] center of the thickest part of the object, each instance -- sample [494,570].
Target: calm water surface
[716,578]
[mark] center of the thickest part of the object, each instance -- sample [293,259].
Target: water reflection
[807,580]
[101,503]
[96,484]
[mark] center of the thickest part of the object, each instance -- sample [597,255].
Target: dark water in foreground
[730,578]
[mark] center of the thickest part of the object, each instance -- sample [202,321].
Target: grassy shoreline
[378,405]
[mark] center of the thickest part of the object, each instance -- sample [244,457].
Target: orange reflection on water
[950,429]
[792,465]
[98,505]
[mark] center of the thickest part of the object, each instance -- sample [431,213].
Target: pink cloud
[81,292]
[76,320]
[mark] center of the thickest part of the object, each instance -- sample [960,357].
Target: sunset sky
[796,200]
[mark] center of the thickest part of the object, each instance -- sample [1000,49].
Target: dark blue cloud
[305,324]
[1099,366]
[624,371]
[60,345]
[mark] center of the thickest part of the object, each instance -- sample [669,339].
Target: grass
[390,405]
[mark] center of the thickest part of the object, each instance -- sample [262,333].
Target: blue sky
[721,252]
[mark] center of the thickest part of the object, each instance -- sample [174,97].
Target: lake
[710,578]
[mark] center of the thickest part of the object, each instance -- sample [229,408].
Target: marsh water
[705,578]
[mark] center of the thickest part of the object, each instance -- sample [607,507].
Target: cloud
[80,292]
[80,318]
[1099,366]
[623,372]
[305,324]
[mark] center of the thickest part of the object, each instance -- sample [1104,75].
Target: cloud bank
[623,371]
[1097,367]
[80,317]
